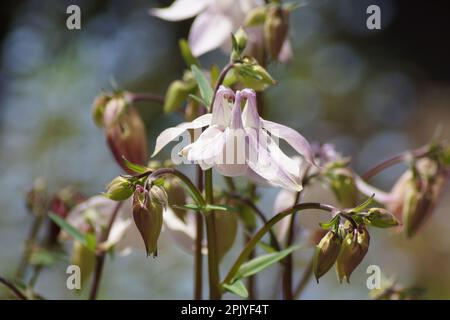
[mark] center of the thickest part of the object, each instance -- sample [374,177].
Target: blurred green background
[372,93]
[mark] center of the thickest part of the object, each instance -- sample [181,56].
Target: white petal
[221,114]
[233,162]
[208,32]
[180,10]
[183,233]
[171,133]
[295,139]
[250,116]
[264,164]
[207,147]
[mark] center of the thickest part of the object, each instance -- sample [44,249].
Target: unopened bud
[176,94]
[276,27]
[113,110]
[148,216]
[98,108]
[176,196]
[252,75]
[256,16]
[119,189]
[326,254]
[344,187]
[84,258]
[354,247]
[127,138]
[380,218]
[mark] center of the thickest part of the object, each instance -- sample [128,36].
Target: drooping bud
[119,189]
[416,195]
[98,108]
[148,209]
[326,254]
[276,27]
[127,138]
[380,218]
[84,259]
[343,184]
[354,247]
[114,109]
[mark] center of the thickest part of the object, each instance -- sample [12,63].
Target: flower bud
[326,254]
[119,189]
[113,110]
[344,187]
[254,76]
[416,195]
[354,247]
[84,259]
[176,94]
[276,27]
[148,215]
[256,16]
[380,218]
[176,196]
[127,138]
[98,108]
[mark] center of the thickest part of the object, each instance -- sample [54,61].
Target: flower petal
[250,116]
[180,10]
[207,147]
[270,166]
[295,139]
[209,31]
[183,233]
[285,54]
[221,113]
[171,133]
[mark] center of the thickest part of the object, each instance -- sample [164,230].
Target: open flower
[241,142]
[215,21]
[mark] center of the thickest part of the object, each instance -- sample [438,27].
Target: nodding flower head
[238,141]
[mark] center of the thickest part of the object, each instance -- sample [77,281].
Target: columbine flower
[238,143]
[215,21]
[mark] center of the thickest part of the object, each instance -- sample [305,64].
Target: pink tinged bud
[148,216]
[84,258]
[98,109]
[276,27]
[354,247]
[326,254]
[127,138]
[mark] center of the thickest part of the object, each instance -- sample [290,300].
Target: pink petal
[236,115]
[208,146]
[221,114]
[180,10]
[285,54]
[250,116]
[295,139]
[209,31]
[171,133]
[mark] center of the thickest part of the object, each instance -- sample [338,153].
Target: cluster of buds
[341,180]
[178,92]
[416,194]
[148,207]
[123,126]
[347,244]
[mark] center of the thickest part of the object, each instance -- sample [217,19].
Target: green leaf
[45,257]
[198,99]
[266,247]
[186,53]
[203,85]
[86,240]
[363,205]
[260,263]
[238,288]
[218,207]
[330,224]
[135,167]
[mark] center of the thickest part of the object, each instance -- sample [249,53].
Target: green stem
[198,262]
[213,261]
[13,289]
[264,229]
